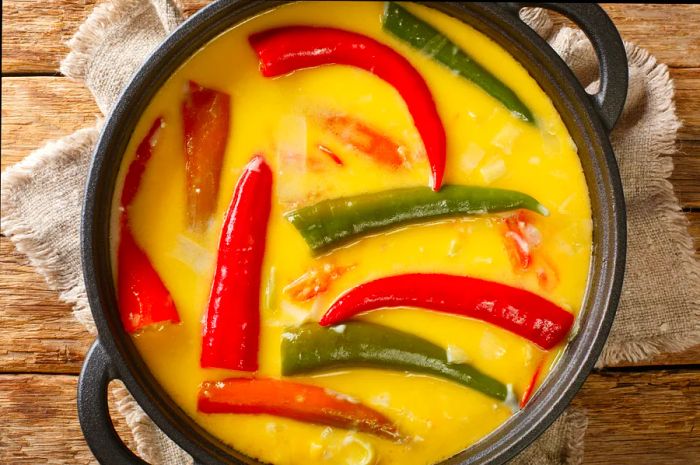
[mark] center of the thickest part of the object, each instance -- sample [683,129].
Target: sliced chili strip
[205,117]
[311,348]
[232,326]
[303,402]
[334,222]
[143,298]
[531,387]
[365,139]
[137,167]
[287,49]
[516,310]
[409,28]
[336,159]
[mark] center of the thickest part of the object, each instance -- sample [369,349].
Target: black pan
[589,120]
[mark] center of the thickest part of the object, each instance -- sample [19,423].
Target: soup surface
[337,131]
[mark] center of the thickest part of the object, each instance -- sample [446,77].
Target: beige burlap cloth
[41,202]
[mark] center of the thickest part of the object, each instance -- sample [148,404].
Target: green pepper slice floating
[420,35]
[311,348]
[333,222]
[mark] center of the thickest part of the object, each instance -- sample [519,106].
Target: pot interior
[578,114]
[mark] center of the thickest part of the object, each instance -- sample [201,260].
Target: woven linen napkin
[41,202]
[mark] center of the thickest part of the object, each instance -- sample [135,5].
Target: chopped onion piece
[456,354]
[471,158]
[493,170]
[192,254]
[506,137]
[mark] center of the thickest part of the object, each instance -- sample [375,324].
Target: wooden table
[638,414]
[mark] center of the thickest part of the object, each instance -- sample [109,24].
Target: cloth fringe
[91,34]
[663,145]
[27,240]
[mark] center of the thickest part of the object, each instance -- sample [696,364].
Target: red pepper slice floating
[132,181]
[287,49]
[336,159]
[232,326]
[366,140]
[143,298]
[205,117]
[531,387]
[515,310]
[315,281]
[308,403]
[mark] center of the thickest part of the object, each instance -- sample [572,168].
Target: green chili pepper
[310,348]
[424,37]
[332,222]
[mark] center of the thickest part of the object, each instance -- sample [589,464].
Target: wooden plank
[38,109]
[43,421]
[35,32]
[633,418]
[642,418]
[687,83]
[669,32]
[686,173]
[39,333]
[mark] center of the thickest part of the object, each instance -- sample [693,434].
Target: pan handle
[93,411]
[603,34]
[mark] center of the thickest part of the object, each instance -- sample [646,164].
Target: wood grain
[36,32]
[38,109]
[39,333]
[652,416]
[642,418]
[44,426]
[669,32]
[35,35]
[687,84]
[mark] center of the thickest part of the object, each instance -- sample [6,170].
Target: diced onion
[456,354]
[506,137]
[189,252]
[494,170]
[471,158]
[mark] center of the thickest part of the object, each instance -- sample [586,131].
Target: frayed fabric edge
[92,33]
[667,204]
[577,424]
[42,257]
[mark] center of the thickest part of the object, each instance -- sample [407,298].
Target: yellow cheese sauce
[486,146]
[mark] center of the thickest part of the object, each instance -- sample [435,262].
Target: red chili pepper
[143,298]
[365,139]
[205,117]
[132,181]
[308,403]
[515,310]
[287,49]
[336,159]
[521,237]
[531,387]
[232,326]
[315,281]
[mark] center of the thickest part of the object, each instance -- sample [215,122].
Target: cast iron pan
[588,119]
